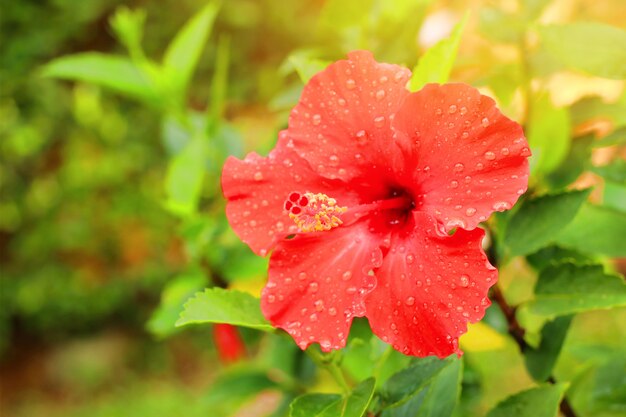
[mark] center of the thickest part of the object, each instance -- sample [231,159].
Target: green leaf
[176,292]
[614,171]
[533,8]
[406,383]
[128,27]
[307,67]
[219,84]
[594,108]
[536,222]
[541,360]
[436,63]
[542,401]
[576,161]
[595,48]
[311,405]
[217,305]
[555,254]
[109,71]
[354,404]
[596,229]
[183,53]
[567,288]
[600,390]
[437,398]
[548,135]
[185,175]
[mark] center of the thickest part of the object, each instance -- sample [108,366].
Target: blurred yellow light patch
[251,286]
[482,338]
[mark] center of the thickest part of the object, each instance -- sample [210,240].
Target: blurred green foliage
[111,216]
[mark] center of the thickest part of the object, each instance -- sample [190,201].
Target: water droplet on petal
[319,305]
[452,109]
[346,276]
[332,311]
[341,102]
[484,122]
[379,121]
[463,110]
[525,152]
[271,298]
[314,286]
[454,184]
[459,167]
[410,301]
[490,155]
[361,137]
[258,176]
[380,94]
[505,151]
[464,281]
[399,76]
[470,211]
[410,259]
[350,84]
[501,206]
[317,119]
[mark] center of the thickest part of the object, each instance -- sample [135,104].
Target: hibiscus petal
[464,158]
[256,189]
[429,287]
[317,284]
[342,123]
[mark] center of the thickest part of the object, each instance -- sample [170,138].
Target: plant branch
[330,365]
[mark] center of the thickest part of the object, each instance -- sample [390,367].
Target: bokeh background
[109,221]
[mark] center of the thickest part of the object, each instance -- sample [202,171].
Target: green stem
[329,363]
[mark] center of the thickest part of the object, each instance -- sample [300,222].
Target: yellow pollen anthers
[314,212]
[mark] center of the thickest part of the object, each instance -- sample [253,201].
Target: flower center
[314,212]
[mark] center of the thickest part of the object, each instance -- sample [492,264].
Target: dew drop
[479,166]
[361,137]
[463,110]
[317,119]
[313,317]
[271,298]
[484,122]
[454,184]
[332,311]
[351,290]
[258,176]
[383,79]
[464,281]
[334,159]
[380,94]
[505,151]
[470,211]
[525,152]
[410,301]
[346,276]
[379,121]
[452,109]
[459,167]
[501,206]
[490,155]
[314,286]
[398,76]
[350,84]
[438,112]
[465,135]
[341,102]
[410,259]
[319,305]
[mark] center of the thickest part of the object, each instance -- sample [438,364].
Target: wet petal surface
[429,287]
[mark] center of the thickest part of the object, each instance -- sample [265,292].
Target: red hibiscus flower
[369,203]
